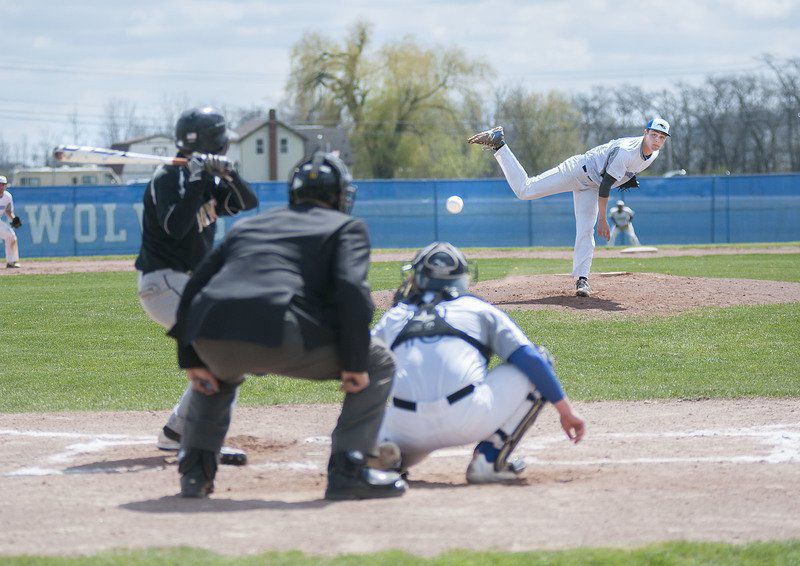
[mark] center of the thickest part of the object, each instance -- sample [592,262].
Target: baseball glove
[632,183]
[16,222]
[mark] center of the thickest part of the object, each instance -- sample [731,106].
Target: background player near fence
[7,230]
[589,176]
[181,206]
[444,394]
[286,293]
[622,223]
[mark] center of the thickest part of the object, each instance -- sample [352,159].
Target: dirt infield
[721,470]
[89,265]
[649,471]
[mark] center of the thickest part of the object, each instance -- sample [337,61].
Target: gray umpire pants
[208,416]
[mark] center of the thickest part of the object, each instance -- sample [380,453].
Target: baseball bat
[103,156]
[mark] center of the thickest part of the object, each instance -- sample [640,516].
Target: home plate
[638,250]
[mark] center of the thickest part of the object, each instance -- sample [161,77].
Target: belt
[452,398]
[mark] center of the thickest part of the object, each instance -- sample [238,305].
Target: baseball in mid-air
[454,204]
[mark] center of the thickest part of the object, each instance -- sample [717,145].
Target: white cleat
[482,471]
[389,457]
[164,442]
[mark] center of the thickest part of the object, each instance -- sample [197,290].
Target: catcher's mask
[202,130]
[439,266]
[323,177]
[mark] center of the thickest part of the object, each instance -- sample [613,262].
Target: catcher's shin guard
[513,439]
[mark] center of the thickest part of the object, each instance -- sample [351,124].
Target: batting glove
[196,166]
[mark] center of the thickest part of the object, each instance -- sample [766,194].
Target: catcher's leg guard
[512,440]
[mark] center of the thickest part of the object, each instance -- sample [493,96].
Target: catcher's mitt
[16,222]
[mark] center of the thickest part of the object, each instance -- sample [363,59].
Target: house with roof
[153,144]
[267,149]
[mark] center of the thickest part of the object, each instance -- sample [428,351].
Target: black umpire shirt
[179,217]
[307,258]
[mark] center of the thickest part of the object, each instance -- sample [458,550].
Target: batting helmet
[202,130]
[323,177]
[440,266]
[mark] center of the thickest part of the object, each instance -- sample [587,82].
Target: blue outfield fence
[90,220]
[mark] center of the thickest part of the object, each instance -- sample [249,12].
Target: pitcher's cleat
[493,139]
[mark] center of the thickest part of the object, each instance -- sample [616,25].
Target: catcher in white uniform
[444,395]
[7,231]
[622,220]
[589,176]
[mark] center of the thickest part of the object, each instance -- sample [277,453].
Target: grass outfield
[81,342]
[678,553]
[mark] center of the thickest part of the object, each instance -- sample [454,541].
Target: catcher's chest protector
[427,322]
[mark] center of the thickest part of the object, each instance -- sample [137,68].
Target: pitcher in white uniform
[7,230]
[589,176]
[444,395]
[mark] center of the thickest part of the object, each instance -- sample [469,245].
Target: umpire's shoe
[350,478]
[493,139]
[198,469]
[582,288]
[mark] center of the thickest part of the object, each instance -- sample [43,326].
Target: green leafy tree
[543,129]
[396,103]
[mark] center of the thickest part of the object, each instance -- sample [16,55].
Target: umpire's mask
[440,266]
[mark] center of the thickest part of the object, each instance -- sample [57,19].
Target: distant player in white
[444,395]
[7,231]
[589,177]
[622,223]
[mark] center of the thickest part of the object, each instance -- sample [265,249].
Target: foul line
[781,444]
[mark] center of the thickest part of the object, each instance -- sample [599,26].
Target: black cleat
[170,440]
[198,469]
[350,478]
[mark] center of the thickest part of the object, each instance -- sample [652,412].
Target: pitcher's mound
[625,293]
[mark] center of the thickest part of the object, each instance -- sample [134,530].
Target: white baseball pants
[565,177]
[628,230]
[12,247]
[159,294]
[499,402]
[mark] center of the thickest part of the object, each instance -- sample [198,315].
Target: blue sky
[57,58]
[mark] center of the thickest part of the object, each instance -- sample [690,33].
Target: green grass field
[81,342]
[674,553]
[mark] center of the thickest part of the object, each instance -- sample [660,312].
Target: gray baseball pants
[159,294]
[208,416]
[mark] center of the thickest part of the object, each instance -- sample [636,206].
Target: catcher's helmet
[202,130]
[440,266]
[323,177]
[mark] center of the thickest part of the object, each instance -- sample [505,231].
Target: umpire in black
[286,293]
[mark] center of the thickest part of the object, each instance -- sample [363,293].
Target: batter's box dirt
[718,470]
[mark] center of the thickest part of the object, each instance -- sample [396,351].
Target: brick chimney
[272,143]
